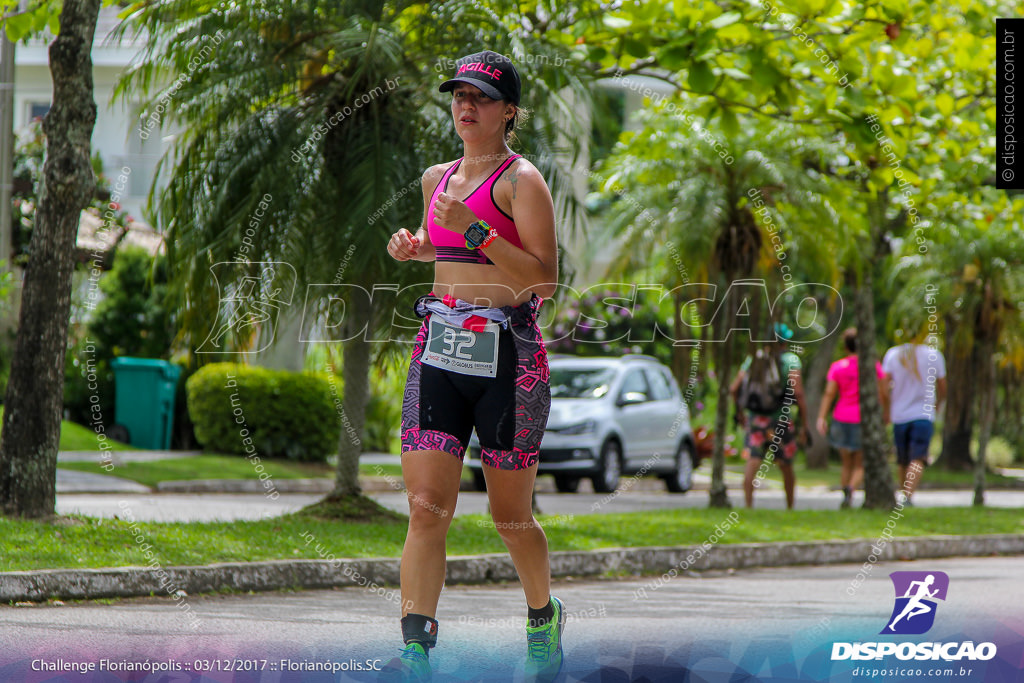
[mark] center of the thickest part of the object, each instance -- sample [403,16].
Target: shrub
[999,453]
[271,413]
[384,411]
[132,319]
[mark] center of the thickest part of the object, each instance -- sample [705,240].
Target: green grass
[210,466]
[381,471]
[933,477]
[205,467]
[75,437]
[87,542]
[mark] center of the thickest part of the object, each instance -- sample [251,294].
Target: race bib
[467,352]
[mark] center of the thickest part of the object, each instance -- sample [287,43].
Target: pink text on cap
[480,66]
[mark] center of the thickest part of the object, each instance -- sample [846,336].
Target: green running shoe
[411,666]
[544,645]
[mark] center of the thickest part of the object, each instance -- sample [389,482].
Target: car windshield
[580,382]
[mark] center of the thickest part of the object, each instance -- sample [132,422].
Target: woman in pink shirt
[844,434]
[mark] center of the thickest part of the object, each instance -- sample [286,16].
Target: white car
[611,417]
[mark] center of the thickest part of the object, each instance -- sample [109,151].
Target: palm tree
[700,205]
[331,110]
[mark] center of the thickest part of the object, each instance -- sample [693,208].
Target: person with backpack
[764,390]
[843,382]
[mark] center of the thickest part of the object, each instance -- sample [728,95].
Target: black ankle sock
[418,628]
[540,617]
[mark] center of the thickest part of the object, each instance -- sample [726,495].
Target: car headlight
[581,428]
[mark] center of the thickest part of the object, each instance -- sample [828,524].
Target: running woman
[479,359]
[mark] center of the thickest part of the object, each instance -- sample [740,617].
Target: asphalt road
[777,623]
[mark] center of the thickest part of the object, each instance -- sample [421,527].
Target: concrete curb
[378,574]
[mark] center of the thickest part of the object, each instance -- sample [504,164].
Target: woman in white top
[917,377]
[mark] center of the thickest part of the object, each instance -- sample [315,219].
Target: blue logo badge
[916,593]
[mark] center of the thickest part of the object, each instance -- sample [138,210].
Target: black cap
[494,74]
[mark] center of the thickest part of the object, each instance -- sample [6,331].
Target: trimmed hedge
[271,413]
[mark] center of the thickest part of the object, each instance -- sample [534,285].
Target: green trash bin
[144,391]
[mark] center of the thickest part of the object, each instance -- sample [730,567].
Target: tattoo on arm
[512,175]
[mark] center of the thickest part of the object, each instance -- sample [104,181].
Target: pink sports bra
[451,245]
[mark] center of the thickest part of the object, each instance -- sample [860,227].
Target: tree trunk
[986,415]
[680,353]
[814,387]
[35,391]
[356,371]
[717,495]
[878,485]
[285,351]
[958,423]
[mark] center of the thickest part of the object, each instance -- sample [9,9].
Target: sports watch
[479,234]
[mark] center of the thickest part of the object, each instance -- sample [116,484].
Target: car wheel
[566,483]
[606,479]
[479,482]
[680,480]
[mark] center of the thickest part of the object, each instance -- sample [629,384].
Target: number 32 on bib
[466,352]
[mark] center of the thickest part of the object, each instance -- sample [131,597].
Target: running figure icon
[914,606]
[917,595]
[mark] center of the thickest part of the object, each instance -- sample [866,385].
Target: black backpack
[762,390]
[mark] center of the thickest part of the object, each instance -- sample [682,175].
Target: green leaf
[763,72]
[724,20]
[705,40]
[896,7]
[782,97]
[831,95]
[736,74]
[860,130]
[855,97]
[53,23]
[616,22]
[737,33]
[635,47]
[675,56]
[944,103]
[701,78]
[19,26]
[730,124]
[905,86]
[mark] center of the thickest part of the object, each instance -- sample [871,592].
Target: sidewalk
[119,457]
[72,481]
[98,495]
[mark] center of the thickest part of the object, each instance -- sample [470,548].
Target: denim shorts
[844,435]
[912,440]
